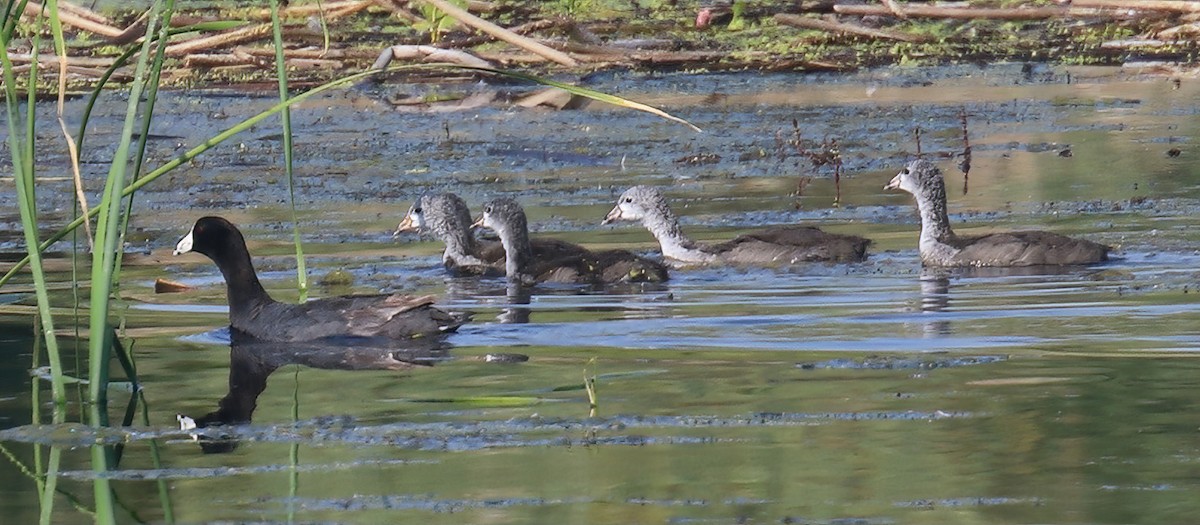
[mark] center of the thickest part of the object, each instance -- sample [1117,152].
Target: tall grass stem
[285,118]
[23,176]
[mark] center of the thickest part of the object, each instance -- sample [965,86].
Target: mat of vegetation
[232,42]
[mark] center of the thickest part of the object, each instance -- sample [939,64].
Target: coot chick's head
[505,216]
[921,178]
[445,214]
[210,236]
[638,203]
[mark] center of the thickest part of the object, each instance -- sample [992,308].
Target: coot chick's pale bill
[771,246]
[253,312]
[940,246]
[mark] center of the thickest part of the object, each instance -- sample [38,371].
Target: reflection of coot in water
[254,313]
[935,297]
[252,361]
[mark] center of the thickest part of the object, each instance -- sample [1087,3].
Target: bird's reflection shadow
[252,361]
[513,299]
[935,288]
[514,312]
[935,298]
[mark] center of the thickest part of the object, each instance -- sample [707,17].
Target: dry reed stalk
[1178,6]
[929,11]
[805,22]
[204,43]
[502,33]
[312,9]
[86,23]
[895,8]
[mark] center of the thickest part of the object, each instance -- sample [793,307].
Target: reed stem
[285,118]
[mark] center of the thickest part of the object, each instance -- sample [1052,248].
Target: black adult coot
[771,246]
[939,246]
[447,217]
[254,313]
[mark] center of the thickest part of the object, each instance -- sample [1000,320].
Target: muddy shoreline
[348,36]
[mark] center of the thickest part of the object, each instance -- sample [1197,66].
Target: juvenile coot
[254,313]
[507,218]
[939,246]
[447,217]
[776,245]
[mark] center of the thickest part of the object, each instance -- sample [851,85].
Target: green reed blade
[294,451]
[285,118]
[23,176]
[164,493]
[104,261]
[144,136]
[11,17]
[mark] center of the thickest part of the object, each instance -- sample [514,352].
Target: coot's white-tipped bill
[613,216]
[185,244]
[895,183]
[409,224]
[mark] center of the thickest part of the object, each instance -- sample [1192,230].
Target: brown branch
[1191,30]
[839,27]
[83,12]
[236,36]
[927,11]
[895,8]
[45,60]
[523,29]
[312,9]
[33,9]
[501,33]
[1142,5]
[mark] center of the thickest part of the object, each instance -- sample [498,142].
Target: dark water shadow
[516,301]
[252,361]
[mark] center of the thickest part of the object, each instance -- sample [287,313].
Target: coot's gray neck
[460,244]
[935,223]
[518,254]
[936,234]
[664,225]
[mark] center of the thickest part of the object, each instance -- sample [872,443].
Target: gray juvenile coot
[254,313]
[772,246]
[939,246]
[447,217]
[507,218]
